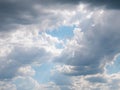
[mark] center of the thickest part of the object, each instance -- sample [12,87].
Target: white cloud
[90,50]
[82,61]
[7,86]
[26,71]
[22,49]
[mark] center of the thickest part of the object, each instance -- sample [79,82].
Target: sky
[59,45]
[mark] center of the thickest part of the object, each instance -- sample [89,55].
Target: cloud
[111,82]
[58,79]
[29,83]
[92,82]
[89,51]
[108,4]
[26,71]
[20,57]
[97,79]
[19,53]
[13,13]
[28,14]
[16,14]
[7,85]
[82,60]
[19,14]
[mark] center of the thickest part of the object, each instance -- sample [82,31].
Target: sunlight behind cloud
[59,45]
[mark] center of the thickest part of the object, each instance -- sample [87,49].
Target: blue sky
[43,72]
[62,32]
[115,67]
[59,45]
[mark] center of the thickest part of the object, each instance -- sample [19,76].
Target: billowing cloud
[21,52]
[16,14]
[89,51]
[7,85]
[79,63]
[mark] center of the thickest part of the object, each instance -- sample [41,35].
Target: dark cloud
[60,79]
[14,13]
[20,57]
[99,44]
[107,3]
[97,79]
[110,4]
[64,82]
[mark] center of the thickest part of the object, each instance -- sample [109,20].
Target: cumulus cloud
[20,57]
[110,83]
[21,52]
[89,51]
[91,82]
[79,64]
[7,85]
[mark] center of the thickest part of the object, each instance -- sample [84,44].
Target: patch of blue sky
[62,32]
[115,67]
[43,72]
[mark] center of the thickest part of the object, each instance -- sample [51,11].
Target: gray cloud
[14,13]
[5,85]
[20,57]
[99,44]
[60,79]
[108,3]
[97,79]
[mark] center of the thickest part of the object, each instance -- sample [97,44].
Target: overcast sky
[59,45]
